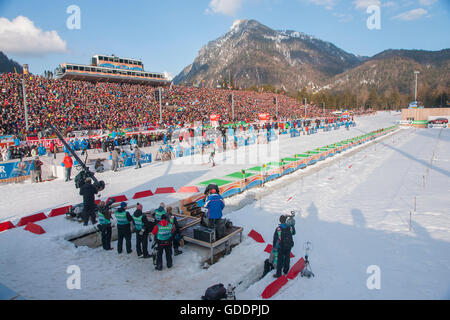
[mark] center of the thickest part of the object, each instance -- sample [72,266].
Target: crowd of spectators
[81,105]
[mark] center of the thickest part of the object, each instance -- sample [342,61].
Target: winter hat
[139,206]
[123,205]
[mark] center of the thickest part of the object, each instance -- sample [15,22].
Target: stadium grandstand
[111,69]
[73,105]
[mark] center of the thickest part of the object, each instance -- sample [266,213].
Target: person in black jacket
[88,191]
[283,243]
[143,229]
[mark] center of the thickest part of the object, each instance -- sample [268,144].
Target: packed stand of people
[81,105]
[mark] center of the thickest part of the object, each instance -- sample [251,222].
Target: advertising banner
[12,170]
[214,119]
[264,117]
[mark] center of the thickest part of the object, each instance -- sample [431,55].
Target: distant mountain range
[251,54]
[8,65]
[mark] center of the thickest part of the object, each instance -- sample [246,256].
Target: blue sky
[167,35]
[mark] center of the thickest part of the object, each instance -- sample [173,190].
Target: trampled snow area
[354,208]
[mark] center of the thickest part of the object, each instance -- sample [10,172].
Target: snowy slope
[355,211]
[183,172]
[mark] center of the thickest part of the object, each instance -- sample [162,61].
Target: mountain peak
[239,24]
[255,54]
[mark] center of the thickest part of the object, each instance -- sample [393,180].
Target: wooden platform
[92,237]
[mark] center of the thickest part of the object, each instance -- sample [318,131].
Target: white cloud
[427,2]
[226,7]
[343,17]
[389,4]
[328,4]
[21,36]
[364,4]
[411,15]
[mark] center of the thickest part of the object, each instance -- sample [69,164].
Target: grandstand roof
[71,75]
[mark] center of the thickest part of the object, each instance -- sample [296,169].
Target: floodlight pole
[232,106]
[160,106]
[304,100]
[25,103]
[276,103]
[416,73]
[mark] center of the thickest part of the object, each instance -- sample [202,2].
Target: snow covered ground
[354,208]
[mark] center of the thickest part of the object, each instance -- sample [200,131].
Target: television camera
[85,173]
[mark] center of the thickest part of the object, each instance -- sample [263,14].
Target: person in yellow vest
[163,233]
[123,228]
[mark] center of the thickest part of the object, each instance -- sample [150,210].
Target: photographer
[177,237]
[88,191]
[143,228]
[104,217]
[283,243]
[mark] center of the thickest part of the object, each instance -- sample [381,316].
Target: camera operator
[88,191]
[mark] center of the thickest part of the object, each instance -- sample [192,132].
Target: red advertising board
[45,142]
[264,117]
[214,117]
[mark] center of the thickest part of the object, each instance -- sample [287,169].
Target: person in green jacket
[104,218]
[143,228]
[123,228]
[163,233]
[160,212]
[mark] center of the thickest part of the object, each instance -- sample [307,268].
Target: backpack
[286,241]
[215,292]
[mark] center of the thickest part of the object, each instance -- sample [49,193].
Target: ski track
[355,211]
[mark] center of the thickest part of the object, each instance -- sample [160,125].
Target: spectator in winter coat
[84,146]
[215,204]
[4,154]
[37,170]
[137,154]
[41,150]
[99,166]
[283,243]
[115,160]
[53,149]
[34,152]
[68,163]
